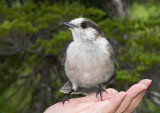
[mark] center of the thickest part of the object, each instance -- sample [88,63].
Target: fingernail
[149,84]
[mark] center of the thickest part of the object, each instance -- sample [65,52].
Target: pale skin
[113,101]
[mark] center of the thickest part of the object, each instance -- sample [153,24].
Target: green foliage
[30,18]
[7,107]
[55,44]
[124,76]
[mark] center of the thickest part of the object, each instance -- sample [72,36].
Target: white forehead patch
[77,21]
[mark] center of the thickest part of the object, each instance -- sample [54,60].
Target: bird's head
[84,30]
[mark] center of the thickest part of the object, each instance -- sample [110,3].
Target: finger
[135,102]
[114,103]
[106,106]
[92,98]
[131,94]
[146,82]
[138,99]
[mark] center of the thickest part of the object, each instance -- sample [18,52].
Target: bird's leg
[100,90]
[66,98]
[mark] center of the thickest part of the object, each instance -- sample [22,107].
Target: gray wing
[64,59]
[112,57]
[113,60]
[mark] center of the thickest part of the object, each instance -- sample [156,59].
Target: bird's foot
[66,98]
[100,90]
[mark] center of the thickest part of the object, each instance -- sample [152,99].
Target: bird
[89,60]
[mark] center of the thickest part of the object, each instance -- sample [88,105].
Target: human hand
[113,102]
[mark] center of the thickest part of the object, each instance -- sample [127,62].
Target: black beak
[70,25]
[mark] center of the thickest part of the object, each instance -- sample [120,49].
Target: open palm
[113,101]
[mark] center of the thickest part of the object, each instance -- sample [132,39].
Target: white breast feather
[88,64]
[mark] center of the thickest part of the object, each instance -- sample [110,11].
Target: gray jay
[89,61]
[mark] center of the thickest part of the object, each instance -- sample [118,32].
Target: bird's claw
[65,99]
[100,90]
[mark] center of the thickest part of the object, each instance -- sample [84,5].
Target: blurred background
[33,42]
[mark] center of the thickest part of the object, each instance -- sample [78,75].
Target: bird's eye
[83,25]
